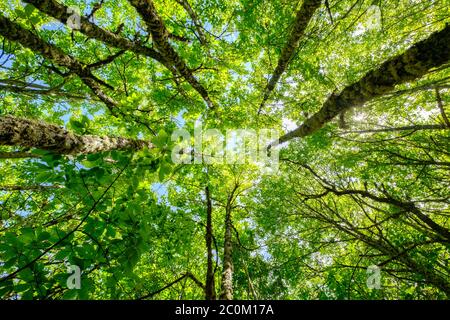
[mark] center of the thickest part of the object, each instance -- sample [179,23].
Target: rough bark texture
[160,36]
[228,267]
[29,187]
[210,291]
[304,15]
[410,65]
[14,32]
[91,30]
[37,134]
[417,127]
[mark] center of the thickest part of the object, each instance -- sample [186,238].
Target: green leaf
[71,294]
[29,9]
[27,234]
[161,139]
[93,156]
[164,170]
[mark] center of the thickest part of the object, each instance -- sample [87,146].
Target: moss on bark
[37,134]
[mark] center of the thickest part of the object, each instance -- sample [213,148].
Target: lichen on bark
[38,134]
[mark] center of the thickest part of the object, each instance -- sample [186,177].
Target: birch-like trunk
[228,268]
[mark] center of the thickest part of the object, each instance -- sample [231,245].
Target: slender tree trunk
[210,290]
[195,20]
[251,287]
[228,268]
[37,134]
[304,15]
[441,108]
[160,36]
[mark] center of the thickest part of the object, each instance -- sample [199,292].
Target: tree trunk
[304,15]
[36,187]
[210,290]
[37,134]
[228,268]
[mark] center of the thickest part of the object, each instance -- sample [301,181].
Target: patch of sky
[179,120]
[161,191]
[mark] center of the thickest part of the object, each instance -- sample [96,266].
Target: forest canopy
[115,180]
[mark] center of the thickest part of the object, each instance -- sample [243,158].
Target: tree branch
[195,20]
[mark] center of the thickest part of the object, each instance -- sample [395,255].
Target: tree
[91,96]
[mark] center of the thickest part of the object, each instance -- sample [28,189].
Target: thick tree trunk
[210,290]
[37,187]
[37,134]
[410,65]
[228,268]
[304,15]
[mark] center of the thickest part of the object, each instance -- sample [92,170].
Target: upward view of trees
[93,206]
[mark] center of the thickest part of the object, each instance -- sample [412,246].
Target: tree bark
[304,15]
[36,187]
[37,134]
[228,267]
[441,108]
[160,36]
[410,65]
[210,290]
